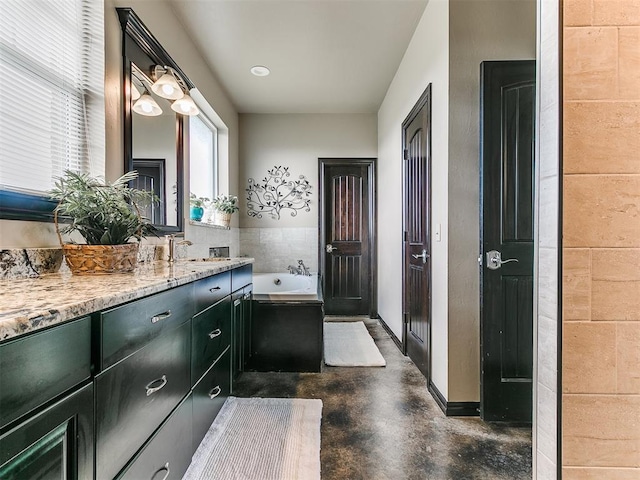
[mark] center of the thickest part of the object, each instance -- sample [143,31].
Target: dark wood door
[151,178]
[416,133]
[507,199]
[346,245]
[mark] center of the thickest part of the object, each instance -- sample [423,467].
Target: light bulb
[146,107]
[168,89]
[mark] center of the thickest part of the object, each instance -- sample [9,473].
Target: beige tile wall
[601,240]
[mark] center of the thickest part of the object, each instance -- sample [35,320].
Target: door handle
[330,248]
[495,261]
[424,255]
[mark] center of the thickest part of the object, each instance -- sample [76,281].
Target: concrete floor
[382,423]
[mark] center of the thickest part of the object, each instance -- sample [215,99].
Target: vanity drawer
[209,395]
[241,276]
[211,290]
[127,328]
[168,454]
[211,334]
[38,367]
[136,395]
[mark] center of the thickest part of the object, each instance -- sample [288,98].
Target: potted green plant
[197,205]
[225,206]
[106,215]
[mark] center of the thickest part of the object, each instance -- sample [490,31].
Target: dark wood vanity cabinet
[46,404]
[167,455]
[241,318]
[136,395]
[128,392]
[54,443]
[212,331]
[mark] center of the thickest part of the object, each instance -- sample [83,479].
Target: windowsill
[208,225]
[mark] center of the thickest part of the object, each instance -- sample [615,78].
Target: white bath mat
[348,344]
[261,439]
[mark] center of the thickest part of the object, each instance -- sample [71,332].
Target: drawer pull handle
[164,469]
[215,392]
[212,290]
[216,333]
[159,384]
[160,316]
[236,302]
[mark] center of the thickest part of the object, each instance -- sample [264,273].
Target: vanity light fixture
[166,85]
[146,105]
[260,70]
[185,106]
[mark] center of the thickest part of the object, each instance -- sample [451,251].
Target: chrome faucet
[303,269]
[172,245]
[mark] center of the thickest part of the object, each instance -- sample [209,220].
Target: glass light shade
[147,106]
[185,106]
[135,93]
[167,87]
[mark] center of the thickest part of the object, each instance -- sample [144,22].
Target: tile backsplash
[276,248]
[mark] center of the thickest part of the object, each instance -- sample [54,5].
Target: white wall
[295,141]
[479,30]
[546,321]
[425,61]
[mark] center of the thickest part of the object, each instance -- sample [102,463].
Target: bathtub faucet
[301,269]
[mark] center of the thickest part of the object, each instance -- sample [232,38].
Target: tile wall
[601,240]
[276,248]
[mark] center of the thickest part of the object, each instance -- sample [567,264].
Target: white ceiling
[325,56]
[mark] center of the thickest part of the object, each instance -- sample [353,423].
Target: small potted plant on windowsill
[225,206]
[107,216]
[197,206]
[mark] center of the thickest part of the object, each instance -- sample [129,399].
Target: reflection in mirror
[153,133]
[154,151]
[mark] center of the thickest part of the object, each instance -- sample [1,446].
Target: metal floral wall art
[277,192]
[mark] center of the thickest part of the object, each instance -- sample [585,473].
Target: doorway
[416,274]
[507,116]
[347,236]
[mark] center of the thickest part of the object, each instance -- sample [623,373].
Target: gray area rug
[348,344]
[261,439]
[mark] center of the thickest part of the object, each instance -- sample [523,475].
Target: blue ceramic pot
[195,213]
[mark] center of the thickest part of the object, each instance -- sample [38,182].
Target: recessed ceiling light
[260,71]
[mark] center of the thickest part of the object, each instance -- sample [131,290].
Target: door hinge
[405,154]
[405,236]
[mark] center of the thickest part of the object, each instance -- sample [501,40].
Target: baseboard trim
[390,333]
[454,409]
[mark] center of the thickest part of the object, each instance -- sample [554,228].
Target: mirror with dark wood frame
[153,145]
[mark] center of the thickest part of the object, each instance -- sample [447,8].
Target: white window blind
[203,157]
[51,91]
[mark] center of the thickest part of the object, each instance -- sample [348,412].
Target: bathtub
[286,330]
[280,286]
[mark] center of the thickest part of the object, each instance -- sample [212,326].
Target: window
[203,157]
[51,95]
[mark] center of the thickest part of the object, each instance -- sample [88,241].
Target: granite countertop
[30,304]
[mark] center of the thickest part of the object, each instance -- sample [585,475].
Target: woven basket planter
[223,219]
[101,259]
